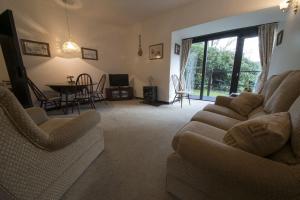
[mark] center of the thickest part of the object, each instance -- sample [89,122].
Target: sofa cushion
[199,128]
[224,111]
[214,119]
[286,155]
[285,95]
[272,84]
[246,102]
[295,119]
[258,112]
[261,136]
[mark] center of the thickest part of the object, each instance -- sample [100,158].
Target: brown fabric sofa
[41,157]
[203,167]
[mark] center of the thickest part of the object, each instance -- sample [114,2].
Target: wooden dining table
[67,89]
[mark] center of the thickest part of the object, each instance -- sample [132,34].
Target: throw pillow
[246,102]
[262,135]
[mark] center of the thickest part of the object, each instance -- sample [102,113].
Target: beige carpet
[137,142]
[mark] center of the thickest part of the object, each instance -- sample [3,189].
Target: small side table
[150,95]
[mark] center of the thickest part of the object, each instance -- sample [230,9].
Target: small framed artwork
[177,49]
[34,48]
[279,38]
[89,54]
[156,51]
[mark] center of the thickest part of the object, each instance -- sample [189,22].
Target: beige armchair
[41,157]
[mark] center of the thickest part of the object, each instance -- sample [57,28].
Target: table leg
[67,103]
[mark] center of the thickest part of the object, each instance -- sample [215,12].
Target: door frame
[241,35]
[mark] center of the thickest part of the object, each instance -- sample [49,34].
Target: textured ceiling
[121,12]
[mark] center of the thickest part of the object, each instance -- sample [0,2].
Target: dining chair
[84,91]
[99,92]
[44,100]
[180,93]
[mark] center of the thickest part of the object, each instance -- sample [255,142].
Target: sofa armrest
[245,171]
[223,101]
[38,115]
[72,130]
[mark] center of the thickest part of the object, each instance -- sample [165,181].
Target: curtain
[266,34]
[186,46]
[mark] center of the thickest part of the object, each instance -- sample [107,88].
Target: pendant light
[69,46]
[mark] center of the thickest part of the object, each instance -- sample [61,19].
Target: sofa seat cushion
[246,102]
[216,120]
[286,155]
[222,110]
[202,129]
[285,95]
[262,136]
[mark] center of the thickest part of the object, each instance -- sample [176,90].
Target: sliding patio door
[223,63]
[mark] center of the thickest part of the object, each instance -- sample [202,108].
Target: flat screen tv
[118,80]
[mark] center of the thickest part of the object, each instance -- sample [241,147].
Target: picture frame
[279,38]
[35,48]
[156,51]
[177,49]
[89,54]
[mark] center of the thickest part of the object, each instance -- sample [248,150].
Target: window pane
[250,67]
[219,66]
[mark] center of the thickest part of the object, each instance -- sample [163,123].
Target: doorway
[223,63]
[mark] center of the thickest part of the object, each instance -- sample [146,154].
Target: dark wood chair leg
[189,99]
[78,107]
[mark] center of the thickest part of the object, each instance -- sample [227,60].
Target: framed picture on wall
[34,48]
[89,54]
[279,38]
[177,49]
[156,51]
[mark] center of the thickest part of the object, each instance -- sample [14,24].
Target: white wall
[287,55]
[3,70]
[45,21]
[159,29]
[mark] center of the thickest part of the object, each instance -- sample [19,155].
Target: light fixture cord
[67,19]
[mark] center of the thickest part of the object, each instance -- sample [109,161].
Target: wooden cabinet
[119,93]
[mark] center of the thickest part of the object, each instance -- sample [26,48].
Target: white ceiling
[122,12]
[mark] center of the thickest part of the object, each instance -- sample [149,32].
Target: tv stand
[119,93]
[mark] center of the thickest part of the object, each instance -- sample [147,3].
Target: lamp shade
[70,47]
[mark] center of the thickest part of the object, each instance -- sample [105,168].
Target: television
[118,80]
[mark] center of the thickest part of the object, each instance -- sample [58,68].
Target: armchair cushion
[70,130]
[38,115]
[295,119]
[261,136]
[246,102]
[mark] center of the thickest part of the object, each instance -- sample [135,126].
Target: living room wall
[45,21]
[159,30]
[286,56]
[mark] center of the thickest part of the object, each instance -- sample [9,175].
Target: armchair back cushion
[246,102]
[262,136]
[285,95]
